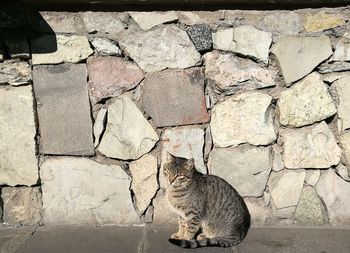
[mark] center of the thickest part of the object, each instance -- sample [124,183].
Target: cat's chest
[179,205]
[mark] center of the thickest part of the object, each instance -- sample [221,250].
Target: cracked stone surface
[244,118]
[144,180]
[128,134]
[166,47]
[147,20]
[15,72]
[312,177]
[306,102]
[22,206]
[298,56]
[343,90]
[342,49]
[335,192]
[228,74]
[344,141]
[321,20]
[112,23]
[105,46]
[79,191]
[99,125]
[310,147]
[245,168]
[11,240]
[18,161]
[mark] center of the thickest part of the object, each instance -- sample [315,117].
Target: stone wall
[91,102]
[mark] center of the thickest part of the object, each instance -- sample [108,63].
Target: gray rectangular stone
[63,109]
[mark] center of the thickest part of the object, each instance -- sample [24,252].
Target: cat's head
[178,170]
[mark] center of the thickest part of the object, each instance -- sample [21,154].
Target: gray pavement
[155,239]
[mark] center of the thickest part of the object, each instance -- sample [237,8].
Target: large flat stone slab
[306,102]
[228,74]
[335,192]
[321,20]
[175,97]
[11,240]
[105,22]
[79,191]
[18,161]
[110,76]
[342,87]
[166,47]
[22,206]
[310,147]
[244,118]
[245,168]
[60,48]
[298,56]
[63,109]
[128,134]
[147,20]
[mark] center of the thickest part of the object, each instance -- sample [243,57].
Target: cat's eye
[181,177]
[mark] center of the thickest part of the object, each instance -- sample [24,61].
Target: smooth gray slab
[152,239]
[63,108]
[12,239]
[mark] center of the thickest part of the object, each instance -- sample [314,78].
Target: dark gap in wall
[1,208]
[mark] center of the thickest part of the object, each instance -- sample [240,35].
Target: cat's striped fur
[210,210]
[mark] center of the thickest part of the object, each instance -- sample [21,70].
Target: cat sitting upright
[206,204]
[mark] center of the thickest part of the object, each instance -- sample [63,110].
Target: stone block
[147,20]
[15,72]
[22,206]
[343,90]
[18,161]
[321,20]
[201,36]
[79,191]
[63,109]
[175,97]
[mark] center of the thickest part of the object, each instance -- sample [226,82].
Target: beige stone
[312,177]
[147,20]
[144,180]
[163,212]
[128,134]
[321,21]
[343,172]
[310,147]
[245,118]
[259,214]
[344,140]
[70,48]
[18,161]
[99,125]
[343,90]
[15,72]
[306,102]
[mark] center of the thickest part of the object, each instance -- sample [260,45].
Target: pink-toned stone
[175,97]
[110,76]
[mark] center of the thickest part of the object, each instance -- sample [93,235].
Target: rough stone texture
[312,177]
[245,40]
[343,172]
[321,21]
[342,49]
[309,210]
[11,240]
[128,134]
[79,191]
[259,214]
[298,56]
[325,68]
[105,47]
[228,73]
[245,118]
[342,87]
[18,162]
[245,168]
[307,102]
[112,23]
[163,212]
[22,206]
[70,48]
[147,20]
[144,181]
[335,193]
[288,23]
[201,36]
[65,123]
[166,47]
[16,44]
[344,140]
[99,125]
[175,97]
[110,76]
[277,164]
[285,187]
[186,142]
[15,72]
[310,147]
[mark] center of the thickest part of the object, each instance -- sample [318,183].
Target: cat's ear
[170,157]
[189,164]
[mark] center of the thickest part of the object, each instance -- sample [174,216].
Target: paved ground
[150,239]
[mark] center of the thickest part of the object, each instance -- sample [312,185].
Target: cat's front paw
[176,236]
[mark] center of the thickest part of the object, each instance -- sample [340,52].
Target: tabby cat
[206,204]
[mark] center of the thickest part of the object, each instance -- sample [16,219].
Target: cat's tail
[218,242]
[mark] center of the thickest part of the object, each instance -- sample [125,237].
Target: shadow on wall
[19,25]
